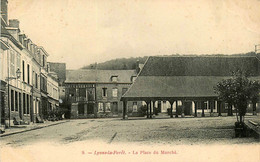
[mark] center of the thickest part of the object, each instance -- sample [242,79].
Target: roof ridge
[231,56]
[98,70]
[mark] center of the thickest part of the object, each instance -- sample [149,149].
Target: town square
[92,80]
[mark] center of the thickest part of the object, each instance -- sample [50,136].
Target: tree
[237,91]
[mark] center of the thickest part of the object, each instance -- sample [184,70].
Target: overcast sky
[80,32]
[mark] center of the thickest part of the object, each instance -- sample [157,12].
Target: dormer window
[114,78]
[133,78]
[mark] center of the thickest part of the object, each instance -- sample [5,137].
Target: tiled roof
[186,77]
[173,86]
[200,65]
[99,76]
[5,33]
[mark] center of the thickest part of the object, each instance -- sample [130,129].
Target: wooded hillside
[130,63]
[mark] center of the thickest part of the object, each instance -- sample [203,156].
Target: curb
[35,128]
[254,128]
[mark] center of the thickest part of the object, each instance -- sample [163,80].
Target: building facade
[23,75]
[53,92]
[60,70]
[97,93]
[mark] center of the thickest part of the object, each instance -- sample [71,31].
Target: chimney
[14,23]
[4,11]
[137,67]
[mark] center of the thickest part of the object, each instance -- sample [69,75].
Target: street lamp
[18,75]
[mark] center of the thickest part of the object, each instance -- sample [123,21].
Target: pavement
[192,139]
[253,123]
[25,128]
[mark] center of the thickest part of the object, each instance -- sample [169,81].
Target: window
[37,106]
[91,94]
[36,80]
[12,100]
[53,92]
[33,74]
[18,61]
[134,106]
[28,104]
[28,73]
[100,107]
[43,84]
[114,78]
[124,90]
[12,59]
[104,92]
[20,103]
[108,107]
[114,92]
[43,60]
[16,101]
[34,106]
[24,104]
[72,92]
[23,70]
[82,94]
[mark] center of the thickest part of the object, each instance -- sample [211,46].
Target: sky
[81,32]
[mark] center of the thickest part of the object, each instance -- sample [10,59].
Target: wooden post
[151,109]
[176,115]
[230,113]
[219,107]
[182,110]
[154,109]
[171,115]
[147,112]
[124,109]
[196,107]
[203,105]
[211,107]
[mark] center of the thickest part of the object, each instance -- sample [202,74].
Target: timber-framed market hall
[187,83]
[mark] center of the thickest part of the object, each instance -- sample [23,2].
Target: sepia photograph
[130,80]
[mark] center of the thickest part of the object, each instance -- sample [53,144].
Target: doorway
[90,108]
[115,107]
